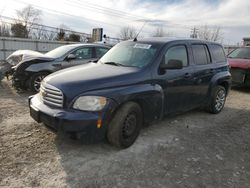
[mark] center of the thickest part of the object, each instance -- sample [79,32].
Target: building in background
[97,34]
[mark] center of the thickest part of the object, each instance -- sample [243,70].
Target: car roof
[172,39]
[87,44]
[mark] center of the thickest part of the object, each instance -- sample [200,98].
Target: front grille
[51,95]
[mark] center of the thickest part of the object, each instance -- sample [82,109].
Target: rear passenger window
[101,51]
[177,53]
[201,54]
[217,53]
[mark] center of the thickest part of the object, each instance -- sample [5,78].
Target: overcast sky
[176,16]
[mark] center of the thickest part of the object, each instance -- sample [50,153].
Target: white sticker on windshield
[143,46]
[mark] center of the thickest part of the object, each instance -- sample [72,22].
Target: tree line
[27,25]
[204,32]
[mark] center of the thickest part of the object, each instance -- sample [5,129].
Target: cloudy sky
[177,17]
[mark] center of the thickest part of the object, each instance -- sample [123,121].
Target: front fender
[39,67]
[150,97]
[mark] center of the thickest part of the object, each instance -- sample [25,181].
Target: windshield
[60,51]
[241,53]
[130,54]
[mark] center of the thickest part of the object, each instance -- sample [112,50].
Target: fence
[9,45]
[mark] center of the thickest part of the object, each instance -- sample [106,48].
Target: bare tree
[210,33]
[127,33]
[160,32]
[74,37]
[28,16]
[4,30]
[19,30]
[62,34]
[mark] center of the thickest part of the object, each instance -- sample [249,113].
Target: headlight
[90,103]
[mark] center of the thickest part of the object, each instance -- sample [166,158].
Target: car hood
[79,79]
[239,63]
[21,56]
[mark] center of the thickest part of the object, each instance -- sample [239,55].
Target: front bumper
[19,81]
[84,124]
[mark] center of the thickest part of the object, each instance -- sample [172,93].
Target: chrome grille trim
[51,96]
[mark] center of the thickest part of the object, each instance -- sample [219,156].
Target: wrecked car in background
[33,67]
[5,68]
[12,60]
[239,61]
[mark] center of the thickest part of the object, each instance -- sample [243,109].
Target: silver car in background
[32,66]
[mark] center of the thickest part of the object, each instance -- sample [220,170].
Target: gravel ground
[195,149]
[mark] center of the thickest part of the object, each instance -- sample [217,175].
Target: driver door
[81,56]
[178,83]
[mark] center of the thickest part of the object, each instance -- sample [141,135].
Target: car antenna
[135,39]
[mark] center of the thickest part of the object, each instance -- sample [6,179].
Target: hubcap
[220,100]
[129,126]
[37,82]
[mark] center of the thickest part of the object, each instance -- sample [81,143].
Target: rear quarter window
[217,53]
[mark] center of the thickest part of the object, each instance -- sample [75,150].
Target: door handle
[187,75]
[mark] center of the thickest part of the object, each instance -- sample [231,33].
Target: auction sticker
[143,46]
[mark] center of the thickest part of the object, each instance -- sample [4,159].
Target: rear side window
[177,53]
[201,54]
[101,51]
[217,53]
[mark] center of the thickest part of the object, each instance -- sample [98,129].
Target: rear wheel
[218,100]
[35,81]
[125,126]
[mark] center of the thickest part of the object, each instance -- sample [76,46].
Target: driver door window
[177,53]
[83,53]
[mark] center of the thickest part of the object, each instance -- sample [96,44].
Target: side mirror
[172,64]
[71,56]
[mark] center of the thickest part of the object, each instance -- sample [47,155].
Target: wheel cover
[129,126]
[220,100]
[37,82]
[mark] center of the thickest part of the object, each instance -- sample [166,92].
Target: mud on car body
[29,73]
[136,82]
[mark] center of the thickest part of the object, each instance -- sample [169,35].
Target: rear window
[217,53]
[201,54]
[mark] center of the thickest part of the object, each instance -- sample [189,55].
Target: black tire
[125,126]
[218,100]
[35,81]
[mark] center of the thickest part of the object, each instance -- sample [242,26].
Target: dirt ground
[195,149]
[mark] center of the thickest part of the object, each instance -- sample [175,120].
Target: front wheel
[125,126]
[218,100]
[35,81]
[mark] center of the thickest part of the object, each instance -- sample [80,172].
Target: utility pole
[194,33]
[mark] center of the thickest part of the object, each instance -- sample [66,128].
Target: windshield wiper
[113,63]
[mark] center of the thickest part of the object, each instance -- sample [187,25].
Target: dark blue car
[135,83]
